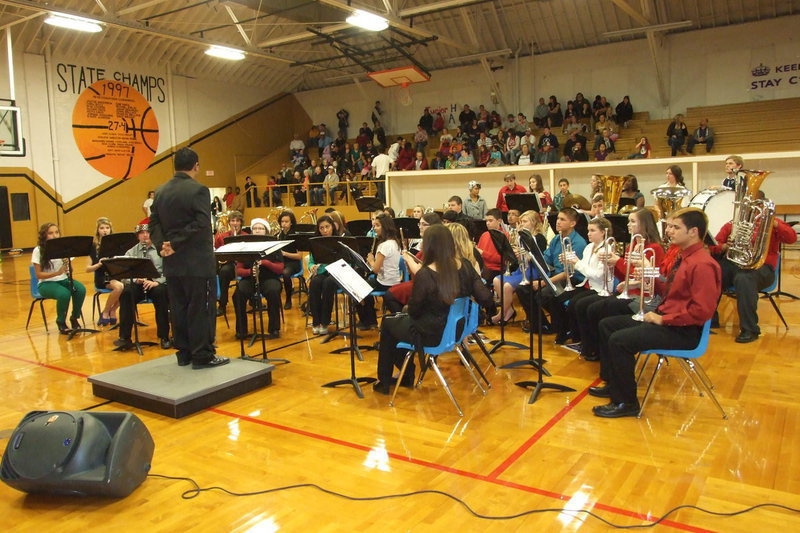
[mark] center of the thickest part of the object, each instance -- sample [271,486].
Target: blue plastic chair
[301,283]
[36,298]
[457,313]
[471,330]
[96,301]
[689,364]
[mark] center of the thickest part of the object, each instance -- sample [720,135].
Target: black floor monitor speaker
[78,453]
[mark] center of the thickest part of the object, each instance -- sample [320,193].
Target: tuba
[669,199]
[752,221]
[309,216]
[611,189]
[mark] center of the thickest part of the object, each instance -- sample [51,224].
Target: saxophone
[751,227]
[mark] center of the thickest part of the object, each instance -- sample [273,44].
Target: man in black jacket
[180,226]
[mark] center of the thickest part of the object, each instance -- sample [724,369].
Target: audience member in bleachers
[466,117]
[329,185]
[380,136]
[438,162]
[585,115]
[445,140]
[405,156]
[547,147]
[426,121]
[579,101]
[677,132]
[495,157]
[642,150]
[475,206]
[510,187]
[601,154]
[421,138]
[535,185]
[452,162]
[419,163]
[624,111]
[484,119]
[570,113]
[380,166]
[525,156]
[438,123]
[296,145]
[604,139]
[512,147]
[466,160]
[579,153]
[365,134]
[704,134]
[555,117]
[541,113]
[343,117]
[299,191]
[483,156]
[573,139]
[510,124]
[528,138]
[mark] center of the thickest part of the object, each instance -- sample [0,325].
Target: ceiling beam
[631,12]
[238,26]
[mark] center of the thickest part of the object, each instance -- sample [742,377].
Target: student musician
[441,279]
[590,310]
[598,276]
[553,256]
[54,282]
[154,289]
[531,222]
[397,296]
[492,260]
[270,271]
[227,271]
[384,261]
[321,285]
[108,316]
[292,260]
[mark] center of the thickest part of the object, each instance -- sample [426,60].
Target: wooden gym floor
[503,457]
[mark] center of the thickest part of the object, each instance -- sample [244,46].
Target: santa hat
[143,225]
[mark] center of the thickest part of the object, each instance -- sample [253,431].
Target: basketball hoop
[404,95]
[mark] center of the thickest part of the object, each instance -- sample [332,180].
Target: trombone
[609,243]
[648,278]
[569,268]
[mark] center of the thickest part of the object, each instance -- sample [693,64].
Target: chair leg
[471,360]
[409,355]
[468,366]
[44,318]
[95,305]
[482,346]
[444,384]
[778,310]
[696,368]
[30,312]
[650,385]
[424,363]
[642,366]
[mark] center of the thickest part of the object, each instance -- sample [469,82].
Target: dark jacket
[181,215]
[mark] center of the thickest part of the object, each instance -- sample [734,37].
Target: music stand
[359,227]
[479,227]
[522,202]
[368,204]
[128,268]
[117,244]
[246,237]
[581,226]
[537,259]
[67,248]
[348,278]
[619,227]
[251,251]
[500,242]
[304,228]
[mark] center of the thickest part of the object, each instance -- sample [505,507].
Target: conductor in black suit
[180,227]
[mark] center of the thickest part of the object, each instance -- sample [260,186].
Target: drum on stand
[718,206]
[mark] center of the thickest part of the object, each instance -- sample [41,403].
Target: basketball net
[404,95]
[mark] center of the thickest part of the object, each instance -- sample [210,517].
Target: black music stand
[528,201]
[369,204]
[246,237]
[619,227]
[326,250]
[128,268]
[479,227]
[581,226]
[253,257]
[67,248]
[359,227]
[117,244]
[537,259]
[342,267]
[500,242]
[303,228]
[302,244]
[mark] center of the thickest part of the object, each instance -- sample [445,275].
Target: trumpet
[635,249]
[569,268]
[524,262]
[609,243]
[648,278]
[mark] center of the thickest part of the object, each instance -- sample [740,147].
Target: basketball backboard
[11,141]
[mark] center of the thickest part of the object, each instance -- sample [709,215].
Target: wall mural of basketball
[115,129]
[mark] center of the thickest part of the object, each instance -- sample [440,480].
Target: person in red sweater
[492,261]
[510,187]
[747,282]
[269,271]
[690,293]
[227,271]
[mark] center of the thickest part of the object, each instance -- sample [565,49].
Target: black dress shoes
[381,388]
[123,344]
[210,363]
[288,304]
[166,344]
[616,410]
[183,359]
[746,336]
[600,392]
[221,310]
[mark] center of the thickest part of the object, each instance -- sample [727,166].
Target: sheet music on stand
[262,247]
[350,281]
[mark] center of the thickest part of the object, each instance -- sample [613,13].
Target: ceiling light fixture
[224,52]
[368,21]
[72,22]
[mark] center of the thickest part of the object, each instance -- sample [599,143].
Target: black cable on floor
[197,490]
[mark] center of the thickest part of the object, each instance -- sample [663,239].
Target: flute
[403,242]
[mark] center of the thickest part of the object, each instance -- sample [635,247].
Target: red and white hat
[143,225]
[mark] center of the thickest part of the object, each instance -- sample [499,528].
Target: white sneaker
[317,330]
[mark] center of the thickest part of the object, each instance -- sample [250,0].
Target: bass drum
[718,205]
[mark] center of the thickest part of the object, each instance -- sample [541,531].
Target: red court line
[44,365]
[459,472]
[511,459]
